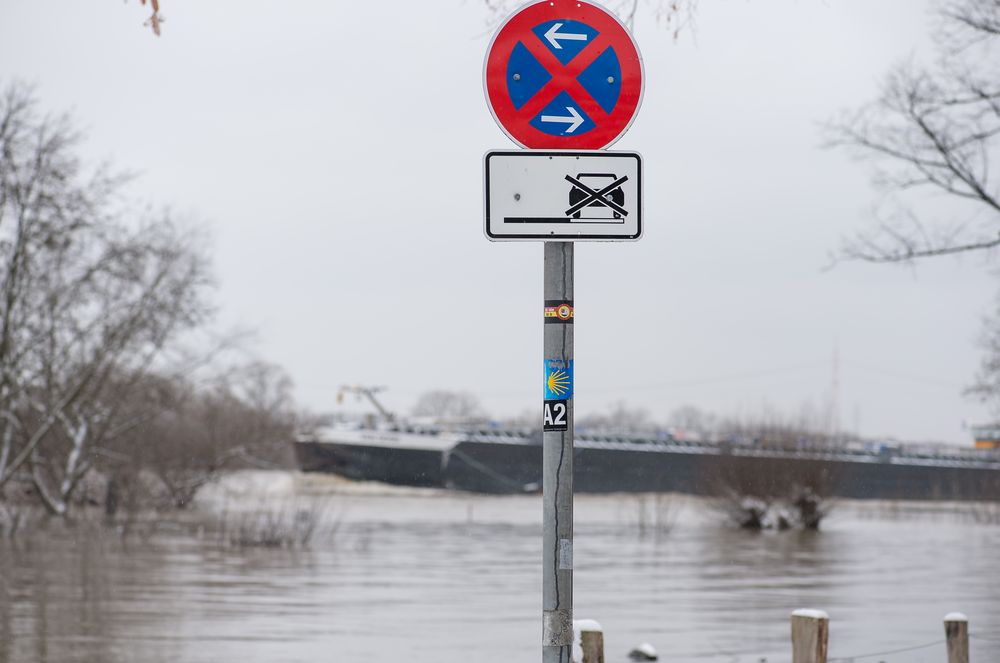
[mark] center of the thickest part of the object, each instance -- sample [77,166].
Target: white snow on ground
[647,650]
[247,486]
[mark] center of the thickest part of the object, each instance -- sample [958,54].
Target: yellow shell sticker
[558,379]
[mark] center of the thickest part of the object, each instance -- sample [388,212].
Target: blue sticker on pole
[558,379]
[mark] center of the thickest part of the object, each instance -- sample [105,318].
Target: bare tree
[689,420]
[156,18]
[88,302]
[934,129]
[674,14]
[986,386]
[244,418]
[620,418]
[448,405]
[766,491]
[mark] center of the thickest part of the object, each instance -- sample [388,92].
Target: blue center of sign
[526,77]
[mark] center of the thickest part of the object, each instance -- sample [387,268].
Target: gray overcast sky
[335,151]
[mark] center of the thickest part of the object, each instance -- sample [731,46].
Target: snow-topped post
[956,633]
[588,641]
[810,632]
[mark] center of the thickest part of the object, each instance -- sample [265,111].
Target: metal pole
[557,456]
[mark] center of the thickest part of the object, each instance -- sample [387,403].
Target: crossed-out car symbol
[596,195]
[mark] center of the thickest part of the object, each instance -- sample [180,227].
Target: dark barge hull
[401,467]
[516,467]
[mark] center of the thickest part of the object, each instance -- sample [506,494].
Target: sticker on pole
[563,196]
[558,379]
[563,75]
[555,415]
[558,312]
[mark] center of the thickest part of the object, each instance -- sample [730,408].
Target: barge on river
[497,460]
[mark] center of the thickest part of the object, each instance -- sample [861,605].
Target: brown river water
[420,576]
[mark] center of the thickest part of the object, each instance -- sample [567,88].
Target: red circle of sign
[516,122]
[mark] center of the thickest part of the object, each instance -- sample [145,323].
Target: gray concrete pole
[557,456]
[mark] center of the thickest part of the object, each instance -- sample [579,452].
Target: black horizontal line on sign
[521,219]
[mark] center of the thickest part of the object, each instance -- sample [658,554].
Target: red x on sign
[563,74]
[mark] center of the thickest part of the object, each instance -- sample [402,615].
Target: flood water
[436,577]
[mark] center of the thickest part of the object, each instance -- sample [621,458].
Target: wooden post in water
[956,633]
[589,637]
[810,632]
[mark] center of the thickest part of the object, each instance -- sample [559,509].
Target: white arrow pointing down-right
[574,120]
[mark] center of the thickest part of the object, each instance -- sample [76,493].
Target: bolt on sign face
[563,74]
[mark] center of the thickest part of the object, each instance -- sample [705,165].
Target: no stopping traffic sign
[563,74]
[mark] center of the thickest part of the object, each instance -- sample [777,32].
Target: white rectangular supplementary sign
[563,195]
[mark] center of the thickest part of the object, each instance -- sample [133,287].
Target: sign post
[557,456]
[563,78]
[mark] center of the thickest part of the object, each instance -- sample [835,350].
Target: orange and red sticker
[558,312]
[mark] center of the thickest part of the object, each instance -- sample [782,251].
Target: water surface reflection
[435,577]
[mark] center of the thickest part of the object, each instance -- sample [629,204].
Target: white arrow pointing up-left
[574,120]
[553,35]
